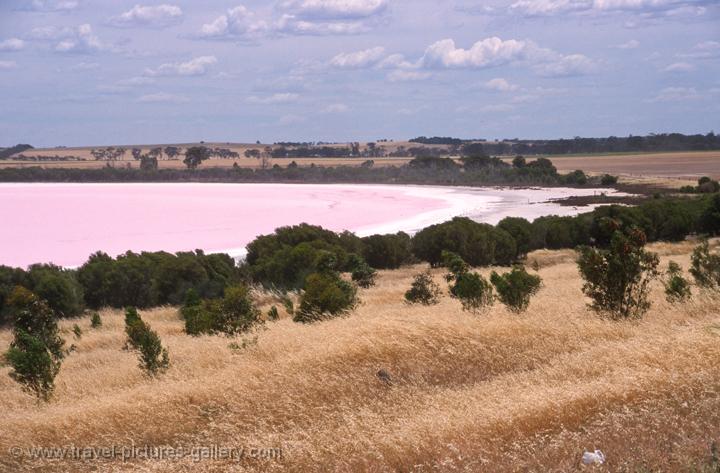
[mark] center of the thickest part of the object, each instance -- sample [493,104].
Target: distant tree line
[612,144]
[471,171]
[7,152]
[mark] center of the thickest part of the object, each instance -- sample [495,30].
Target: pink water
[65,223]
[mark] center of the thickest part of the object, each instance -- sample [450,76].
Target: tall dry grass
[491,392]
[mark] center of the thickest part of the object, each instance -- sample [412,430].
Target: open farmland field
[489,392]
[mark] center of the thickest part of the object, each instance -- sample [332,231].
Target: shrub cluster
[234,313]
[470,288]
[423,290]
[705,267]
[677,288]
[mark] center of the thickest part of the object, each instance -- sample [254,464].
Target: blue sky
[83,72]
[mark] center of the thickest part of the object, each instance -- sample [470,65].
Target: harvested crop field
[460,392]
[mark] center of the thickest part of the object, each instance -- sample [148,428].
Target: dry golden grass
[490,392]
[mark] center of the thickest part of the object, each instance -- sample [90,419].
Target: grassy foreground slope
[490,392]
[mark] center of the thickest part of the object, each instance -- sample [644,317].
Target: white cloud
[676,94]
[53,6]
[334,9]
[8,64]
[566,66]
[85,66]
[12,44]
[679,67]
[402,75]
[135,81]
[499,84]
[153,16]
[358,59]
[645,7]
[704,50]
[491,52]
[162,97]
[237,23]
[285,97]
[296,17]
[632,44]
[486,53]
[195,67]
[79,40]
[336,108]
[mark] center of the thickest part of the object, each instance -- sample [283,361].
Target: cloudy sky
[91,72]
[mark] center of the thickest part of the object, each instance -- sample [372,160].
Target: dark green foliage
[474,242]
[285,258]
[95,320]
[472,290]
[234,313]
[58,287]
[154,359]
[455,265]
[608,180]
[677,288]
[559,232]
[148,163]
[423,290]
[433,163]
[363,275]
[519,162]
[325,295]
[77,331]
[710,217]
[152,279]
[576,177]
[36,351]
[618,279]
[273,313]
[516,288]
[387,251]
[705,267]
[520,230]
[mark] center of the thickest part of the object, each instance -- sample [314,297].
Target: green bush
[516,288]
[705,267]
[608,180]
[95,320]
[473,291]
[454,264]
[77,331]
[364,276]
[273,313]
[677,288]
[234,313]
[521,231]
[154,359]
[58,287]
[387,251]
[618,279]
[474,242]
[709,221]
[423,290]
[36,351]
[325,295]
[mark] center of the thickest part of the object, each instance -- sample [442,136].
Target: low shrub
[677,288]
[423,290]
[273,313]
[77,331]
[154,359]
[36,351]
[361,273]
[473,291]
[618,279]
[95,320]
[326,295]
[234,313]
[608,180]
[516,288]
[705,267]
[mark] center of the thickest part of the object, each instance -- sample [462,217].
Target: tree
[154,359]
[172,151]
[519,162]
[521,230]
[136,153]
[195,155]
[148,163]
[325,295]
[705,267]
[677,288]
[516,288]
[423,290]
[36,351]
[618,279]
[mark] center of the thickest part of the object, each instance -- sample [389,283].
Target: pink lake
[65,223]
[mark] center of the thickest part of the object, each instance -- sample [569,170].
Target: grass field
[490,392]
